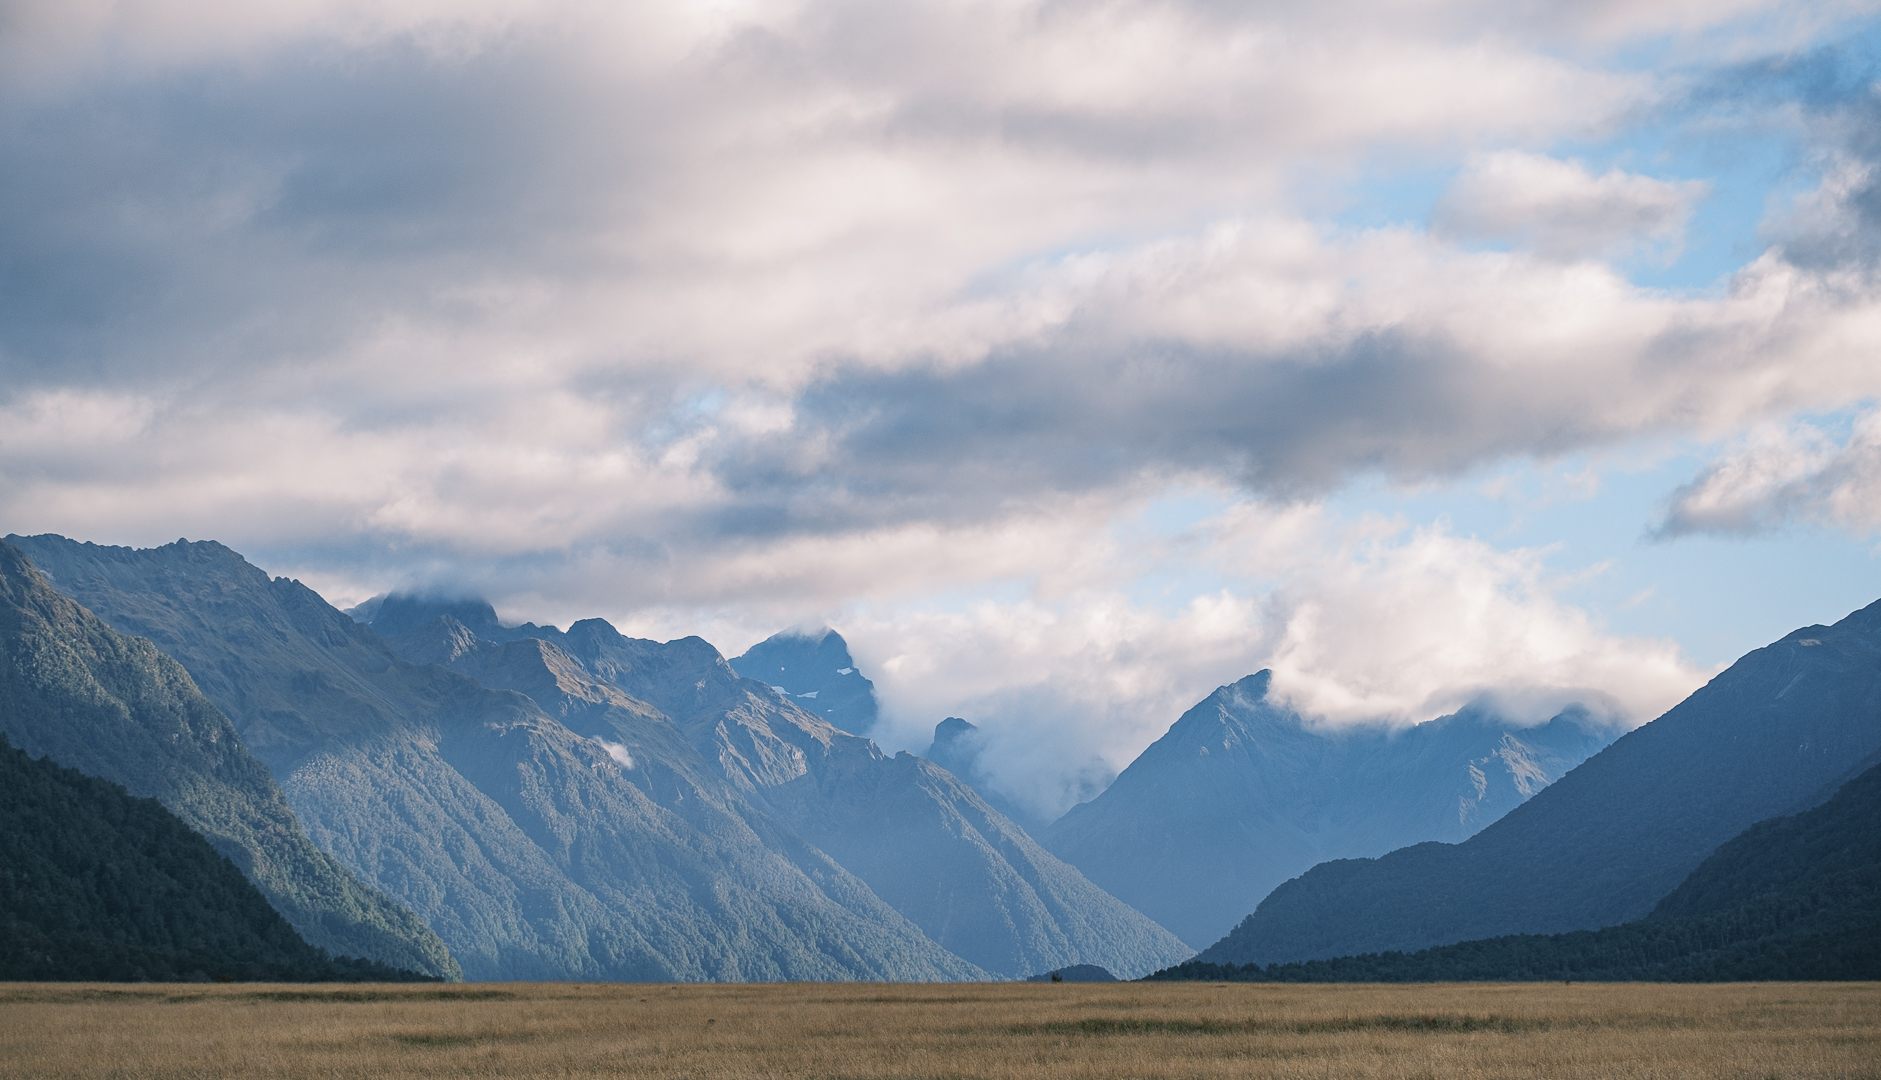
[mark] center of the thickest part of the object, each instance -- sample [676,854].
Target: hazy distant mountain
[957,747]
[1792,898]
[922,840]
[97,885]
[1242,794]
[113,706]
[818,673]
[535,851]
[1774,733]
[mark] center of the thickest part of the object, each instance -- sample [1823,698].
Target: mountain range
[959,747]
[531,850]
[420,785]
[1243,793]
[1777,732]
[603,807]
[920,839]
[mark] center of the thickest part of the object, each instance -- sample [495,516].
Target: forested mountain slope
[113,706]
[1770,735]
[532,849]
[1793,898]
[97,885]
[923,841]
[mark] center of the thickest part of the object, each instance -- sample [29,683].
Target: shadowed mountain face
[816,670]
[1832,851]
[1242,794]
[1773,734]
[97,885]
[538,850]
[923,841]
[113,706]
[1792,898]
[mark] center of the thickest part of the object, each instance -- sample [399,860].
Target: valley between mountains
[422,787]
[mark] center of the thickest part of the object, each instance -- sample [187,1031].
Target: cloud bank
[722,317]
[1378,622]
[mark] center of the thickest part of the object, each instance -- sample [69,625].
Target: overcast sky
[1070,358]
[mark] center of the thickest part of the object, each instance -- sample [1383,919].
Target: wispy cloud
[1367,621]
[1561,210]
[1797,474]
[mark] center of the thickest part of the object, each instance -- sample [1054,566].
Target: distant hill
[1773,734]
[112,706]
[530,847]
[1243,793]
[1793,898]
[97,885]
[1074,973]
[818,673]
[927,844]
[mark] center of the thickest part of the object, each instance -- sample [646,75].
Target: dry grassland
[1754,1031]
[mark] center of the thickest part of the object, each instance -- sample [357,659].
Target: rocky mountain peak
[956,747]
[818,673]
[949,734]
[1251,690]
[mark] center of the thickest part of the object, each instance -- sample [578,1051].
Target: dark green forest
[99,885]
[114,706]
[1791,898]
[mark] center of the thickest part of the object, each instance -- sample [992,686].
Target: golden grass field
[1753,1031]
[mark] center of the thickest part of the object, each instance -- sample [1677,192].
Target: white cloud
[608,185]
[1261,352]
[1366,621]
[1784,474]
[1416,623]
[618,753]
[1561,210]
